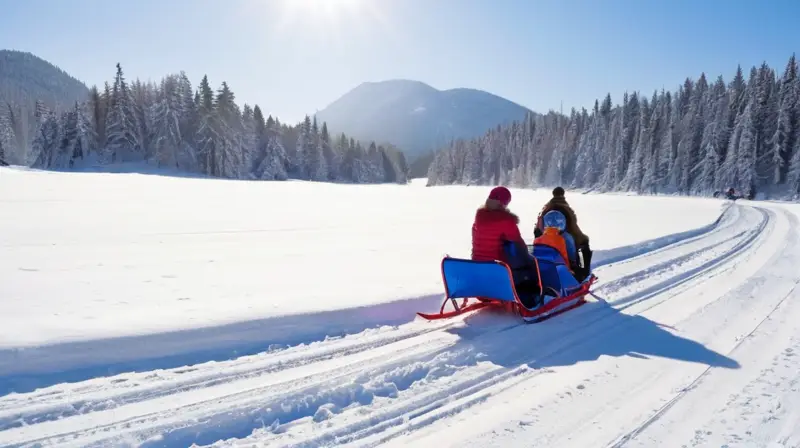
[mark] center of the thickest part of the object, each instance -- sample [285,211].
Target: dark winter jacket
[560,203]
[489,231]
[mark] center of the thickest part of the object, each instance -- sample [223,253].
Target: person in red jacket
[494,224]
[496,236]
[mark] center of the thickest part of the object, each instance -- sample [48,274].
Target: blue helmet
[556,219]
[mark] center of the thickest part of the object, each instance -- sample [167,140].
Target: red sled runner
[492,285]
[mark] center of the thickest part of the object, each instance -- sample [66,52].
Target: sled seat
[491,283]
[554,270]
[470,278]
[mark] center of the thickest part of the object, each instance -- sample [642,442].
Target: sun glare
[329,21]
[327,10]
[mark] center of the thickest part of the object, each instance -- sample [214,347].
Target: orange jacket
[552,238]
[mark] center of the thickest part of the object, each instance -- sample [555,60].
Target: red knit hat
[501,194]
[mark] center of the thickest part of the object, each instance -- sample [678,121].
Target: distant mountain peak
[398,82]
[25,78]
[415,116]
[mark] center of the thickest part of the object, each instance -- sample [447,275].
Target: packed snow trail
[697,363]
[678,313]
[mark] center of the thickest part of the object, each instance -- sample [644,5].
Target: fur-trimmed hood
[485,214]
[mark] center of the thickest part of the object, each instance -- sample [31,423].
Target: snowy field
[94,255]
[143,310]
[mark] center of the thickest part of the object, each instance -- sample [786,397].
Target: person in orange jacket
[556,236]
[558,202]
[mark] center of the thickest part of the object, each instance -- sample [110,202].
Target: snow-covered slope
[415,117]
[153,311]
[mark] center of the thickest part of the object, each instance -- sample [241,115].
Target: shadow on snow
[26,369]
[593,331]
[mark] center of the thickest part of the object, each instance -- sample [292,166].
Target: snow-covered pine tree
[302,148]
[788,122]
[122,127]
[331,158]
[18,119]
[793,176]
[635,173]
[746,153]
[62,156]
[764,123]
[274,164]
[98,109]
[230,156]
[655,130]
[692,134]
[142,101]
[717,107]
[188,124]
[260,134]
[207,134]
[585,165]
[7,140]
[249,142]
[85,149]
[45,144]
[613,148]
[318,169]
[473,164]
[373,164]
[309,151]
[167,136]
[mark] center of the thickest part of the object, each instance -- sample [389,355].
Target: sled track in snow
[660,411]
[394,376]
[790,257]
[732,247]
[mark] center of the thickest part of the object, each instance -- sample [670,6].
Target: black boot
[586,269]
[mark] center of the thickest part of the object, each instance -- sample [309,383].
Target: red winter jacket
[489,230]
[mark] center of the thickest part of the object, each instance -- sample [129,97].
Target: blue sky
[296,56]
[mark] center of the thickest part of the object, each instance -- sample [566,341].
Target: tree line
[703,137]
[172,125]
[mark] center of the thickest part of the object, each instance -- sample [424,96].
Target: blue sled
[492,284]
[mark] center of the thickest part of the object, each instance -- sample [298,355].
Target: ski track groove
[638,429]
[742,246]
[664,408]
[439,401]
[97,402]
[727,219]
[281,391]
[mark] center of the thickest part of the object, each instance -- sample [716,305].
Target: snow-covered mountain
[415,116]
[27,84]
[26,78]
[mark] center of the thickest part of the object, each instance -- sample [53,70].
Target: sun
[328,22]
[323,24]
[331,7]
[323,10]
